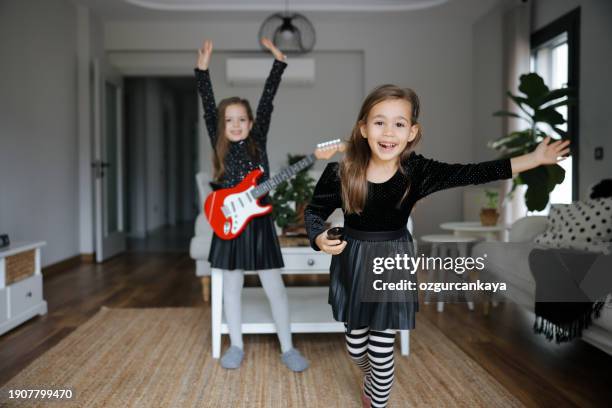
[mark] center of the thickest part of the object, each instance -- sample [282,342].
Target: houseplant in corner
[537,105]
[489,214]
[290,198]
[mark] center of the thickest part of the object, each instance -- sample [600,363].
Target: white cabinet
[3,306]
[309,310]
[21,292]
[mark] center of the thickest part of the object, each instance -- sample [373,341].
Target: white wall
[595,86]
[38,125]
[430,52]
[488,82]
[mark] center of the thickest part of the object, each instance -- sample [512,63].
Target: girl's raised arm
[205,90]
[265,106]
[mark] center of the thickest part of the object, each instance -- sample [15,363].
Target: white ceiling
[321,10]
[276,5]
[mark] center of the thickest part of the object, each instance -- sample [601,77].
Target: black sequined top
[238,162]
[383,210]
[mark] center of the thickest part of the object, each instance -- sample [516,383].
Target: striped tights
[373,352]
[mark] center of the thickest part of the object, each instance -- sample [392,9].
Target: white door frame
[107,245]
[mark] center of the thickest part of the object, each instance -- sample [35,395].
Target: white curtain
[516,52]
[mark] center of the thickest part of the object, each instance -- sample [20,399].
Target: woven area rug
[162,358]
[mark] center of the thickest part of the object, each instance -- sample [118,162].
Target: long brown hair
[355,163]
[223,144]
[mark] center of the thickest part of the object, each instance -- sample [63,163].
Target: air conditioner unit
[245,71]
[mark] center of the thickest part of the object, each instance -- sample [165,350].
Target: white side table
[21,289]
[309,310]
[442,246]
[475,229]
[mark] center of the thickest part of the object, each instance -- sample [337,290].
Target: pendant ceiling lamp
[290,32]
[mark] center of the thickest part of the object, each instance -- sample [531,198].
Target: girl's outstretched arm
[206,91]
[545,153]
[429,176]
[265,106]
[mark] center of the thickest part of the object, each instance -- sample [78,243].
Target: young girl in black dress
[239,146]
[376,185]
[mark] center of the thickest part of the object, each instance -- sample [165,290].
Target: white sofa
[509,262]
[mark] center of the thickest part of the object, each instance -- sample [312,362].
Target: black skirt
[256,248]
[351,294]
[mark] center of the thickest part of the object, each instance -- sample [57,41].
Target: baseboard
[88,258]
[68,263]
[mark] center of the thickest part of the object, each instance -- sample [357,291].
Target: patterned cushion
[584,225]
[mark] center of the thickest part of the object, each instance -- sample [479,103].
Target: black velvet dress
[384,211]
[257,247]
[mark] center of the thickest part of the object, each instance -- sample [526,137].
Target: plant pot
[299,213]
[488,216]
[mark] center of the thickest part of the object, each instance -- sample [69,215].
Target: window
[550,61]
[555,57]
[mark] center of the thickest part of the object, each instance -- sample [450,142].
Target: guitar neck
[284,174]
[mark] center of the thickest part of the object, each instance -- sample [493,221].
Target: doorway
[161,162]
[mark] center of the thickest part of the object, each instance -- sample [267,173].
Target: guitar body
[229,210]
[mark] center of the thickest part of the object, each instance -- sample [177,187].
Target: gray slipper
[294,360]
[232,358]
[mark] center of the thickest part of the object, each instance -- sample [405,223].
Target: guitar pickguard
[240,207]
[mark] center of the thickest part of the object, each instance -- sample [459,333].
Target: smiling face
[388,129]
[237,122]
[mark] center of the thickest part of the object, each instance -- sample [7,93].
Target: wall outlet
[599,153]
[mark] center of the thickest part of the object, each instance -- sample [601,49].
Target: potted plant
[537,106]
[290,198]
[489,214]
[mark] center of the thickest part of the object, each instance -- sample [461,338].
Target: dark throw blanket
[571,288]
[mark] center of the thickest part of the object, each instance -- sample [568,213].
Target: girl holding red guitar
[239,146]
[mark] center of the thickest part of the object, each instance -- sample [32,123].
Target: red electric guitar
[229,210]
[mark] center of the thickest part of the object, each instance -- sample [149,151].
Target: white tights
[277,296]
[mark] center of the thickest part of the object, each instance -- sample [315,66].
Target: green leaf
[567,102]
[555,94]
[560,132]
[556,175]
[512,114]
[520,102]
[536,198]
[533,86]
[540,182]
[549,115]
[503,140]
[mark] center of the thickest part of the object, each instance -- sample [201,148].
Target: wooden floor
[535,371]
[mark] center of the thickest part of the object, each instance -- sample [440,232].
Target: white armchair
[200,243]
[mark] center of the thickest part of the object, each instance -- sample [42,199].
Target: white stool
[443,245]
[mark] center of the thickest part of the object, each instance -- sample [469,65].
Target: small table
[475,229]
[309,310]
[442,246]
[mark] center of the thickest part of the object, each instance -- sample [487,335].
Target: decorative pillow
[584,225]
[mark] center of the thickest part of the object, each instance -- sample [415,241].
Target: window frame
[568,23]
